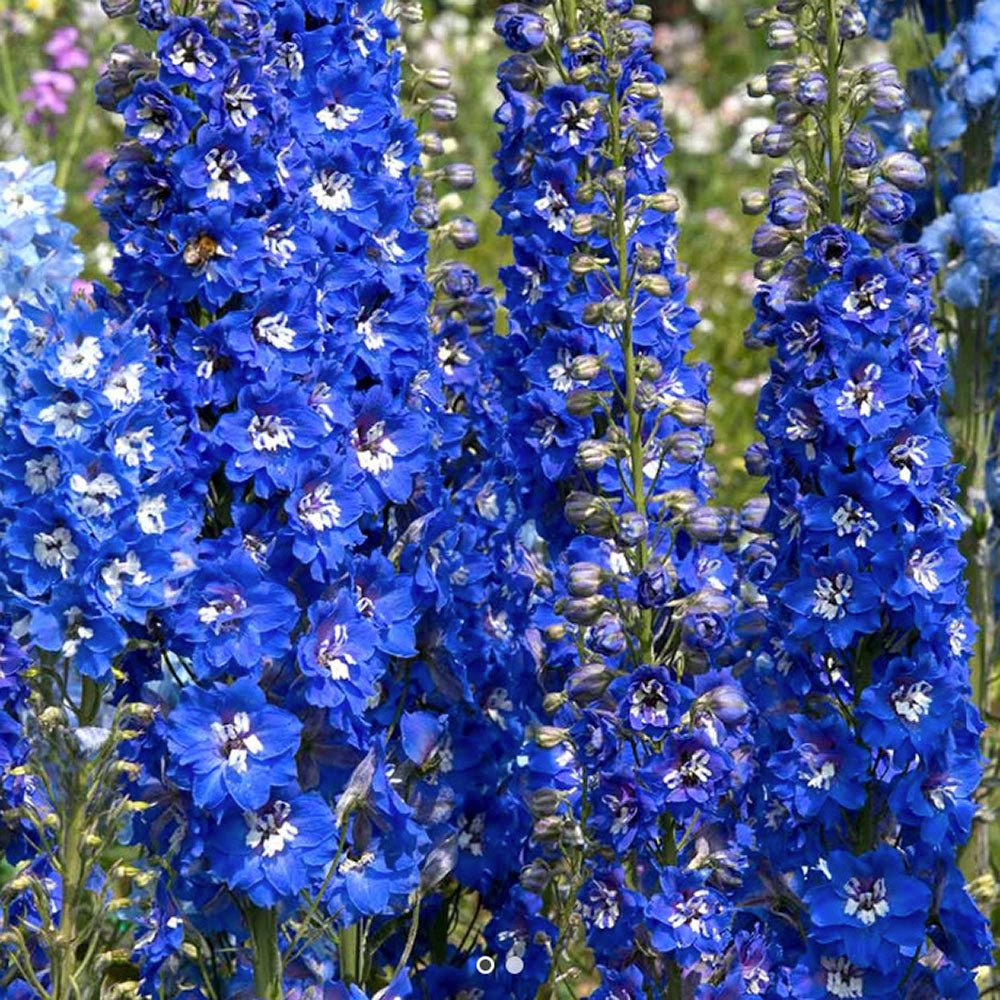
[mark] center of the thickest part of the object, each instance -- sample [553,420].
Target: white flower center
[318,509]
[338,117]
[56,550]
[922,568]
[331,656]
[331,190]
[866,900]
[912,701]
[235,741]
[831,595]
[843,979]
[80,361]
[268,432]
[695,770]
[376,451]
[150,513]
[223,168]
[859,395]
[270,830]
[850,518]
[274,330]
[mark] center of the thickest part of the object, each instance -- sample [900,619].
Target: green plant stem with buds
[834,54]
[64,959]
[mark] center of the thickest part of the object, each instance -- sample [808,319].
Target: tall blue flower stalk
[869,736]
[340,658]
[955,127]
[94,539]
[634,776]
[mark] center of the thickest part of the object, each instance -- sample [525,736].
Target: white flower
[135,447]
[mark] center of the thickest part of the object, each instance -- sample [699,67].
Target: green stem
[67,158]
[632,415]
[262,925]
[834,151]
[65,966]
[350,951]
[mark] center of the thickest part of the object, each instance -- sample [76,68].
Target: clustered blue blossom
[412,642]
[636,778]
[341,656]
[937,15]
[868,740]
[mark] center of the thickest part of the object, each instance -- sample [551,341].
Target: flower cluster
[341,657]
[48,96]
[94,541]
[868,742]
[936,16]
[634,787]
[38,261]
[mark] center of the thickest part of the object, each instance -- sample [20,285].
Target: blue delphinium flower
[633,586]
[862,683]
[343,651]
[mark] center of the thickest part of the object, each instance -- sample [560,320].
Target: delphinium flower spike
[869,740]
[634,781]
[312,709]
[94,542]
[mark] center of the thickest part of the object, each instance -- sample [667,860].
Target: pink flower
[66,55]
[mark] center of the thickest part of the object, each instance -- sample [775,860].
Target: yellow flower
[43,8]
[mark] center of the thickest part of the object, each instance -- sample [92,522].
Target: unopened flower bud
[444,108]
[656,284]
[689,412]
[757,86]
[781,34]
[553,701]
[534,877]
[556,632]
[684,446]
[770,241]
[706,524]
[656,584]
[582,402]
[860,149]
[853,23]
[904,170]
[607,636]
[439,78]
[583,610]
[646,131]
[663,201]
[775,141]
[582,224]
[811,90]
[461,176]
[645,90]
[754,202]
[592,454]
[585,579]
[583,263]
[680,500]
[431,143]
[544,802]
[548,737]
[585,367]
[588,682]
[592,514]
[463,233]
[755,17]
[779,81]
[593,313]
[615,309]
[632,528]
[548,829]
